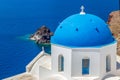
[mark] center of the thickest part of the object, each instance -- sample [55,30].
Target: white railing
[30,65]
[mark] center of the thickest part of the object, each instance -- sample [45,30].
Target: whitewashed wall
[112,51]
[73,60]
[81,53]
[66,52]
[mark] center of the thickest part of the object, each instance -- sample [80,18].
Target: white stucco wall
[73,60]
[66,52]
[82,53]
[43,72]
[105,51]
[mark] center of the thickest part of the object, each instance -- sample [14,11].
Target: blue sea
[19,18]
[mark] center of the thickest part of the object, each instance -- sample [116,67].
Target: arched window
[60,63]
[85,66]
[108,63]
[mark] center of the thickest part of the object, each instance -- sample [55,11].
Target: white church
[82,48]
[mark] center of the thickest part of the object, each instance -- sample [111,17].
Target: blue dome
[82,31]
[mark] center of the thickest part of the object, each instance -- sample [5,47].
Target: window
[108,63]
[60,63]
[85,66]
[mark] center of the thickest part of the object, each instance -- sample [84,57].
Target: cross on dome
[82,10]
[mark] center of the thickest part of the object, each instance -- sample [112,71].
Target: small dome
[82,31]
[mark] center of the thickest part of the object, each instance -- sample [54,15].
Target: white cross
[82,10]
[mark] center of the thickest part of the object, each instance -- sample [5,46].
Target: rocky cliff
[114,22]
[42,35]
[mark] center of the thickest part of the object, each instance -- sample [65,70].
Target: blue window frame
[85,66]
[60,63]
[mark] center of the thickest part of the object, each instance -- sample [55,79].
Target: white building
[82,48]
